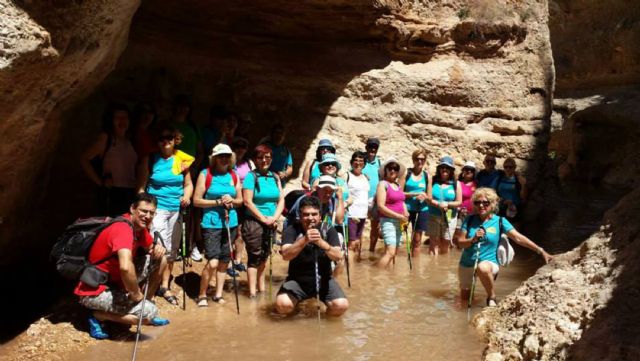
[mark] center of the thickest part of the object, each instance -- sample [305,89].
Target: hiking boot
[95,329]
[195,255]
[491,302]
[240,267]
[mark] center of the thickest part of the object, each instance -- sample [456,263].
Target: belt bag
[93,276]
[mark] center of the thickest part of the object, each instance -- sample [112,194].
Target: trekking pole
[272,236]
[408,242]
[183,212]
[147,262]
[233,263]
[346,251]
[473,281]
[315,253]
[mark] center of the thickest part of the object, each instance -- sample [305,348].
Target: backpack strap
[108,224]
[208,179]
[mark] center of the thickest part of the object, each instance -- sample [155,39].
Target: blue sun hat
[330,158]
[326,143]
[446,161]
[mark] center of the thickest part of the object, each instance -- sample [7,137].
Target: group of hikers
[156,178]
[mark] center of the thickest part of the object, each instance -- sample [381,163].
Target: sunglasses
[335,165]
[393,169]
[482,203]
[509,167]
[468,170]
[372,148]
[166,137]
[420,159]
[490,161]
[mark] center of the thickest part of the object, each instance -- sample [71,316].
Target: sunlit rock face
[448,76]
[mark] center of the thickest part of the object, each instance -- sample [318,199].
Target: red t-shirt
[112,239]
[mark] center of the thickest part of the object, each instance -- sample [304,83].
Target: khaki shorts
[438,227]
[465,274]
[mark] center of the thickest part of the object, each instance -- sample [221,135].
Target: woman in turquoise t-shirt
[416,185]
[218,192]
[311,170]
[264,202]
[446,195]
[171,184]
[479,237]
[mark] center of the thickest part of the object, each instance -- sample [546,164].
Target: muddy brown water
[414,315]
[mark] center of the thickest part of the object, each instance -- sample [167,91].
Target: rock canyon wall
[457,77]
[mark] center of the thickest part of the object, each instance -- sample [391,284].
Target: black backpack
[292,205]
[71,251]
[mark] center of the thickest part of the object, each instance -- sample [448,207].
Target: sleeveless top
[395,198]
[120,163]
[507,189]
[414,186]
[467,192]
[315,172]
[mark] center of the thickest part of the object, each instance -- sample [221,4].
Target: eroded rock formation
[452,76]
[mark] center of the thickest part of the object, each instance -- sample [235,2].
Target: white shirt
[359,192]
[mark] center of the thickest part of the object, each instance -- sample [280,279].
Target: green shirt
[190,138]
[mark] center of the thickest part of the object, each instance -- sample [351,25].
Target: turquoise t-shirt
[489,243]
[345,196]
[266,200]
[488,179]
[371,171]
[507,189]
[443,193]
[416,186]
[213,217]
[281,158]
[315,172]
[164,185]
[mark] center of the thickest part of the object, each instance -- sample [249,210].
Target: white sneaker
[491,302]
[195,255]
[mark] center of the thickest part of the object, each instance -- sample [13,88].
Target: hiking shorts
[356,228]
[391,231]
[169,225]
[421,223]
[465,274]
[438,227]
[216,243]
[256,239]
[300,291]
[116,301]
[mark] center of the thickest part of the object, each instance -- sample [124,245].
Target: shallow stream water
[395,313]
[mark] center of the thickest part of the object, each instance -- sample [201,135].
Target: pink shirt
[395,198]
[467,192]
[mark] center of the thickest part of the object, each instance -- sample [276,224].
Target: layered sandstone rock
[51,54]
[583,306]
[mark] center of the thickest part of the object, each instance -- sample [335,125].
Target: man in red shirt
[120,300]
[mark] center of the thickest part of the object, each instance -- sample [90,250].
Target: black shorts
[329,291]
[422,220]
[216,243]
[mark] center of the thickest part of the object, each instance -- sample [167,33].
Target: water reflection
[396,313]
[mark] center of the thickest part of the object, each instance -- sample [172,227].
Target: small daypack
[256,184]
[71,251]
[504,252]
